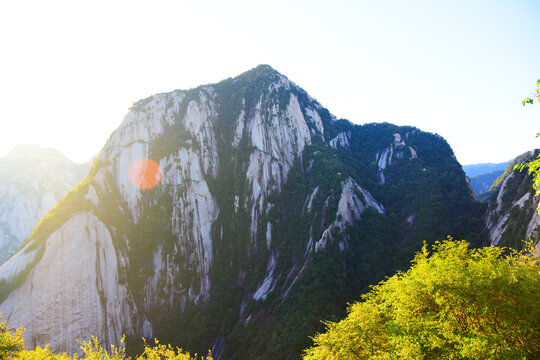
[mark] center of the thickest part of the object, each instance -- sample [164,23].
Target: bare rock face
[512,215]
[350,209]
[32,180]
[74,289]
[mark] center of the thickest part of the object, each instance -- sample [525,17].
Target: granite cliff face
[82,296]
[260,190]
[32,180]
[512,215]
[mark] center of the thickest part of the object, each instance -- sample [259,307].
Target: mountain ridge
[482,183]
[271,213]
[482,168]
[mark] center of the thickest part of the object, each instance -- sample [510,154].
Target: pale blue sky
[69,70]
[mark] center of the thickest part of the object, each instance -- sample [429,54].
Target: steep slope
[512,216]
[32,180]
[270,215]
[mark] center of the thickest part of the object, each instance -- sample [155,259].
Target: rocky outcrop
[513,211]
[341,140]
[75,286]
[32,180]
[396,150]
[277,141]
[269,280]
[192,200]
[353,202]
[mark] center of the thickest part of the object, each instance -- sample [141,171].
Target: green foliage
[141,104]
[245,91]
[12,347]
[10,344]
[377,245]
[166,352]
[533,165]
[45,353]
[153,229]
[537,95]
[175,135]
[454,303]
[330,280]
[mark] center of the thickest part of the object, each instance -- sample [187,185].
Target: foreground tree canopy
[12,347]
[454,303]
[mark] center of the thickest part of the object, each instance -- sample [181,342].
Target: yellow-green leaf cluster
[533,165]
[454,303]
[12,347]
[42,354]
[537,95]
[10,344]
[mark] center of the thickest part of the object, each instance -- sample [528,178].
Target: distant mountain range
[482,176]
[484,168]
[32,180]
[482,183]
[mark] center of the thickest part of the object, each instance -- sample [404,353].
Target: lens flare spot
[144,173]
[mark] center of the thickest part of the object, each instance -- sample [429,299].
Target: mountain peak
[265,68]
[259,72]
[35,152]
